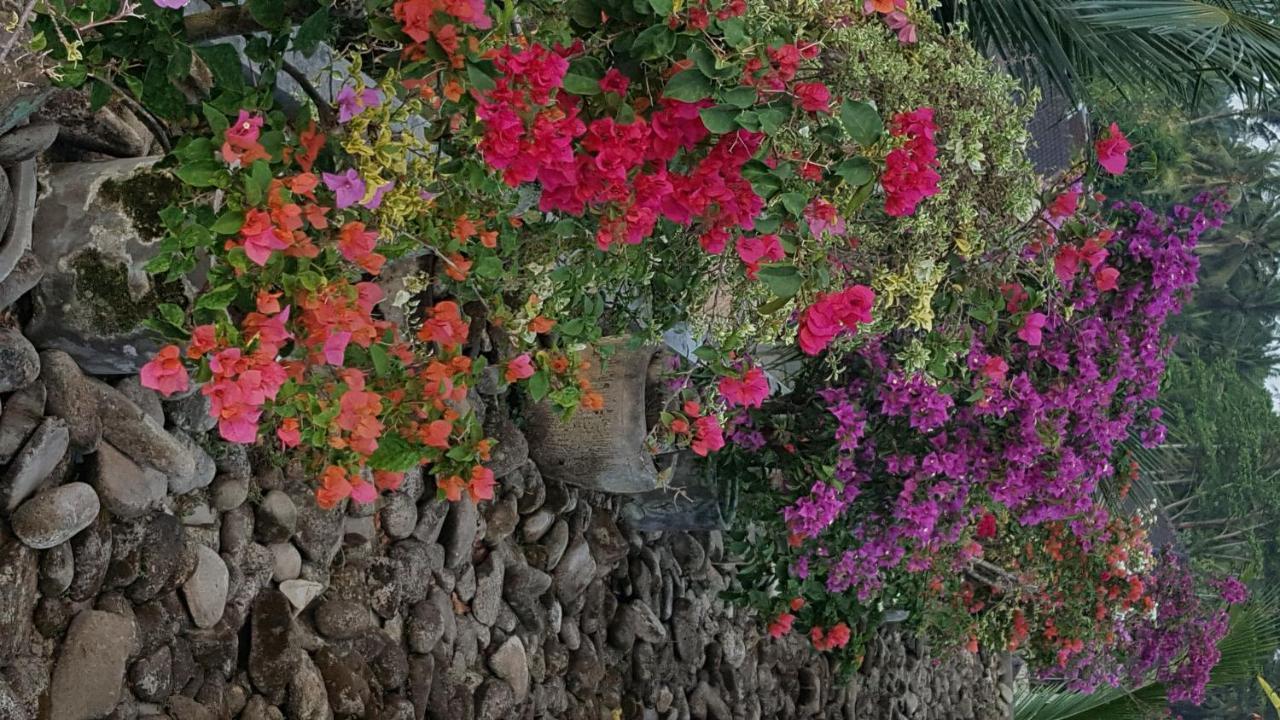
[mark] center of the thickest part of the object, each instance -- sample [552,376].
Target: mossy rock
[96,228]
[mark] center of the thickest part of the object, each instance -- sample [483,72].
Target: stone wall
[148,571]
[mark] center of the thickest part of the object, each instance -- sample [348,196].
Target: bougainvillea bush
[491,188]
[548,174]
[965,485]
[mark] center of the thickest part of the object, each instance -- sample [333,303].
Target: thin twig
[17,30]
[322,105]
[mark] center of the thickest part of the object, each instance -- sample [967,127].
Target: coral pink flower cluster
[910,172]
[833,314]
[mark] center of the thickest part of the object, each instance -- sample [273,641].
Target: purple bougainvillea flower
[351,103]
[374,202]
[172,4]
[347,188]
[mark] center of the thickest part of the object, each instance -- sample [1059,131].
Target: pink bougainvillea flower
[1106,278]
[813,97]
[1113,150]
[750,390]
[898,21]
[334,487]
[240,146]
[520,368]
[1066,204]
[363,492]
[288,433]
[823,217]
[204,339]
[335,347]
[832,314]
[1066,263]
[1032,325]
[348,188]
[165,372]
[172,4]
[261,237]
[615,82]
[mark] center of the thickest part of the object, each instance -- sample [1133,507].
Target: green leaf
[735,32]
[584,13]
[381,362]
[160,96]
[661,7]
[256,182]
[856,171]
[270,14]
[99,95]
[861,121]
[740,97]
[313,31]
[707,354]
[218,298]
[489,267]
[224,64]
[581,85]
[478,78]
[773,305]
[654,42]
[394,454]
[794,202]
[689,86]
[539,385]
[720,119]
[771,119]
[205,173]
[172,314]
[218,122]
[228,223]
[782,278]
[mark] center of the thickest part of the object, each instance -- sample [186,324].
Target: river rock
[276,518]
[287,561]
[151,677]
[510,663]
[399,516]
[343,619]
[271,657]
[55,515]
[72,398]
[145,398]
[17,238]
[25,275]
[127,490]
[111,130]
[138,435]
[34,463]
[23,413]
[91,550]
[19,361]
[89,673]
[575,571]
[301,593]
[206,589]
[459,532]
[308,698]
[57,570]
[203,473]
[18,578]
[26,142]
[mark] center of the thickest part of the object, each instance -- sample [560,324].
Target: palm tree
[1174,44]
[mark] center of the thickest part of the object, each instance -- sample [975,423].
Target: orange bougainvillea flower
[463,229]
[453,90]
[452,487]
[458,267]
[312,142]
[481,485]
[387,480]
[303,184]
[489,239]
[592,400]
[482,449]
[445,326]
[334,487]
[436,434]
[559,364]
[541,324]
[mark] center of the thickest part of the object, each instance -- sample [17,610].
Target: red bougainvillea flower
[334,487]
[1106,278]
[986,527]
[813,97]
[708,435]
[387,480]
[832,314]
[781,625]
[203,340]
[288,433]
[1066,204]
[615,82]
[481,485]
[796,604]
[995,368]
[452,487]
[750,390]
[165,373]
[519,368]
[1113,150]
[754,250]
[1066,263]
[1030,332]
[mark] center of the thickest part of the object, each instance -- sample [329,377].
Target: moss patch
[142,196]
[103,288]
